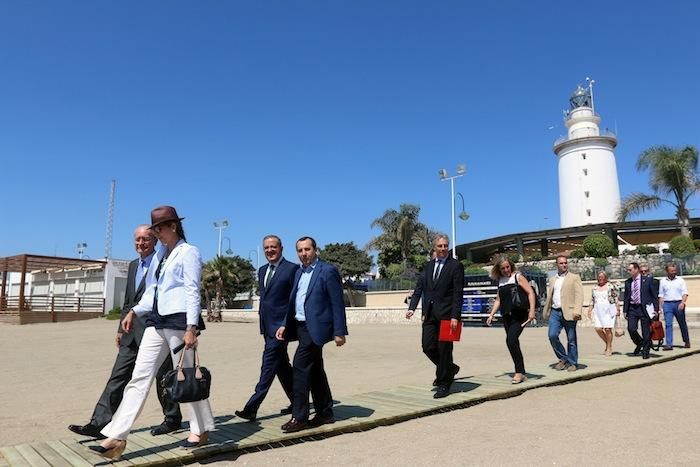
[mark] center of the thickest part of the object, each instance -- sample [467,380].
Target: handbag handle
[197,371]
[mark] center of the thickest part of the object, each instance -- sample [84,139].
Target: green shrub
[535,257]
[475,270]
[577,253]
[598,246]
[600,262]
[393,271]
[646,250]
[114,313]
[697,245]
[681,246]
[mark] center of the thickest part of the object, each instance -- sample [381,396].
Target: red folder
[446,332]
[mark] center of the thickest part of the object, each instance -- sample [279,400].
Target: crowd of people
[161,322]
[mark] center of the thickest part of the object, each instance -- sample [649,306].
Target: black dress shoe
[442,391]
[637,350]
[287,410]
[295,425]
[87,430]
[246,414]
[455,370]
[645,355]
[165,427]
[319,420]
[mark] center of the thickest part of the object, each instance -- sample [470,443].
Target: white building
[589,192]
[85,283]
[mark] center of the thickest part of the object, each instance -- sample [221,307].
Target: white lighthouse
[589,192]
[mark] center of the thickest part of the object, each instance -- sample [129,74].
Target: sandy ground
[52,375]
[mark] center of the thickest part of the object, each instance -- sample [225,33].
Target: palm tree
[398,228]
[673,176]
[217,275]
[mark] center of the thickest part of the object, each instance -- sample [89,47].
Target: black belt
[672,301]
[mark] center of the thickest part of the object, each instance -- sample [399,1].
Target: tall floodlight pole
[110,221]
[220,226]
[461,170]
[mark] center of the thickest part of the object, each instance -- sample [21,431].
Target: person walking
[514,319]
[275,282]
[604,308]
[640,305]
[441,289]
[562,309]
[137,281]
[673,295]
[316,316]
[171,306]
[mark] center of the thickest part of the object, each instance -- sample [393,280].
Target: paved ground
[57,372]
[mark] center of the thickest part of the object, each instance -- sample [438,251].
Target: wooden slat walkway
[356,413]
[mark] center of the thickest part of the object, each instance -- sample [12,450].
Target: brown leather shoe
[687,345]
[572,368]
[561,364]
[295,425]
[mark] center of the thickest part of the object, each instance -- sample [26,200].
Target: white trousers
[154,349]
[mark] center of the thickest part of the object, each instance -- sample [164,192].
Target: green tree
[681,246]
[226,276]
[403,236]
[351,262]
[673,179]
[598,246]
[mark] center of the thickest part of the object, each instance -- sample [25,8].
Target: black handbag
[187,384]
[519,300]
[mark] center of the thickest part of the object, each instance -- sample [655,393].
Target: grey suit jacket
[131,297]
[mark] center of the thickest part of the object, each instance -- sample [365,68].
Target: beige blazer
[571,297]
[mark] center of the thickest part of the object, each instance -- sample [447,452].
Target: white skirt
[604,315]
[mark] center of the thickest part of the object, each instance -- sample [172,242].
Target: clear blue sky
[313,117]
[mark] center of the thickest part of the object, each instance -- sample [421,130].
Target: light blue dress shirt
[142,269]
[302,288]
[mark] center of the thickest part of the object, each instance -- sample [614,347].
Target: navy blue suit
[274,305]
[324,311]
[636,313]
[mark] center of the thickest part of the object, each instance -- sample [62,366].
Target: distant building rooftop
[555,241]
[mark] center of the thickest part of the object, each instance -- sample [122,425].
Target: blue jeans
[671,310]
[556,324]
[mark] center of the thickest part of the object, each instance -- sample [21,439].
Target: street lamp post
[220,226]
[257,256]
[228,251]
[461,169]
[81,249]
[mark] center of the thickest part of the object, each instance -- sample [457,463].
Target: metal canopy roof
[26,262]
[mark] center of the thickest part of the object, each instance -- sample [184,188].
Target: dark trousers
[309,376]
[275,362]
[635,315]
[514,328]
[114,389]
[440,353]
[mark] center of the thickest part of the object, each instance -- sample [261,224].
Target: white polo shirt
[672,290]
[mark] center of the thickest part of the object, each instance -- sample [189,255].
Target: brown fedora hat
[163,214]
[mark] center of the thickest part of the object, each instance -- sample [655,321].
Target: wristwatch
[191,328]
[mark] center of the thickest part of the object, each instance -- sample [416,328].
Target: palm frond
[637,203]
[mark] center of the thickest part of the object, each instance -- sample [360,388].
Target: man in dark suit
[275,281]
[441,287]
[128,345]
[640,296]
[316,316]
